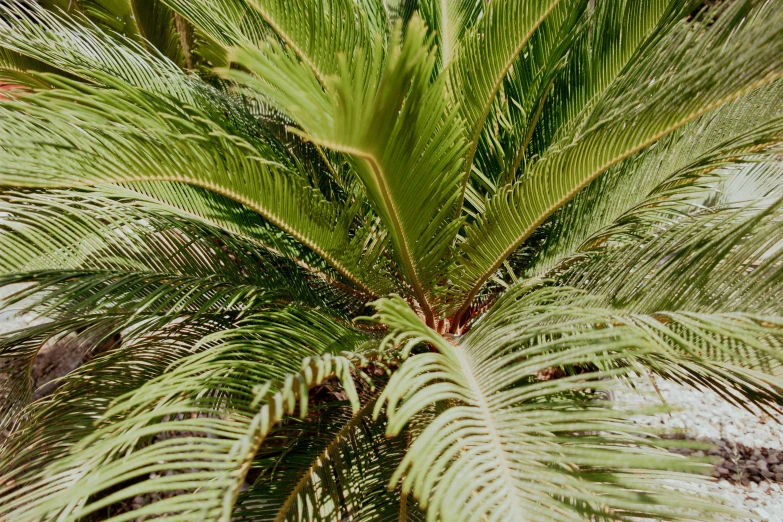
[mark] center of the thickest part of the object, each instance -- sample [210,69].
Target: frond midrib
[474,141]
[261,210]
[406,254]
[322,456]
[492,429]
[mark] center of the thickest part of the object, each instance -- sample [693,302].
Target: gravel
[748,445]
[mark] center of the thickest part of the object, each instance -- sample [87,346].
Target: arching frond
[612,40]
[221,415]
[486,55]
[228,22]
[335,465]
[37,137]
[686,74]
[673,165]
[506,432]
[87,52]
[727,261]
[342,25]
[519,103]
[49,427]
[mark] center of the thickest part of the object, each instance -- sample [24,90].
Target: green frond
[385,114]
[115,16]
[685,74]
[82,241]
[225,401]
[504,432]
[676,165]
[228,22]
[723,261]
[342,25]
[615,36]
[85,51]
[48,428]
[520,101]
[486,54]
[133,136]
[335,465]
[450,21]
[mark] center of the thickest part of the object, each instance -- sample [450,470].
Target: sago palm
[382,260]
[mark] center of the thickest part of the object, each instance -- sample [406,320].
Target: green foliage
[229,187]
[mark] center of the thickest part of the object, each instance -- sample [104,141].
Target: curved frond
[686,74]
[85,51]
[222,417]
[450,20]
[705,148]
[723,261]
[342,25]
[505,432]
[334,466]
[615,36]
[384,113]
[132,136]
[486,55]
[228,22]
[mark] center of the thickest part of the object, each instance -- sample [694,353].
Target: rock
[772,459]
[722,471]
[60,356]
[778,477]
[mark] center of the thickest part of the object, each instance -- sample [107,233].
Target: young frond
[404,144]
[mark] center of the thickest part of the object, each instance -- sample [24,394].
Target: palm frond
[486,55]
[704,149]
[84,50]
[49,427]
[225,401]
[615,36]
[520,101]
[335,465]
[228,22]
[724,261]
[450,21]
[386,115]
[685,74]
[505,432]
[37,136]
[343,26]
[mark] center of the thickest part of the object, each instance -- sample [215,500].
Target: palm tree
[382,260]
